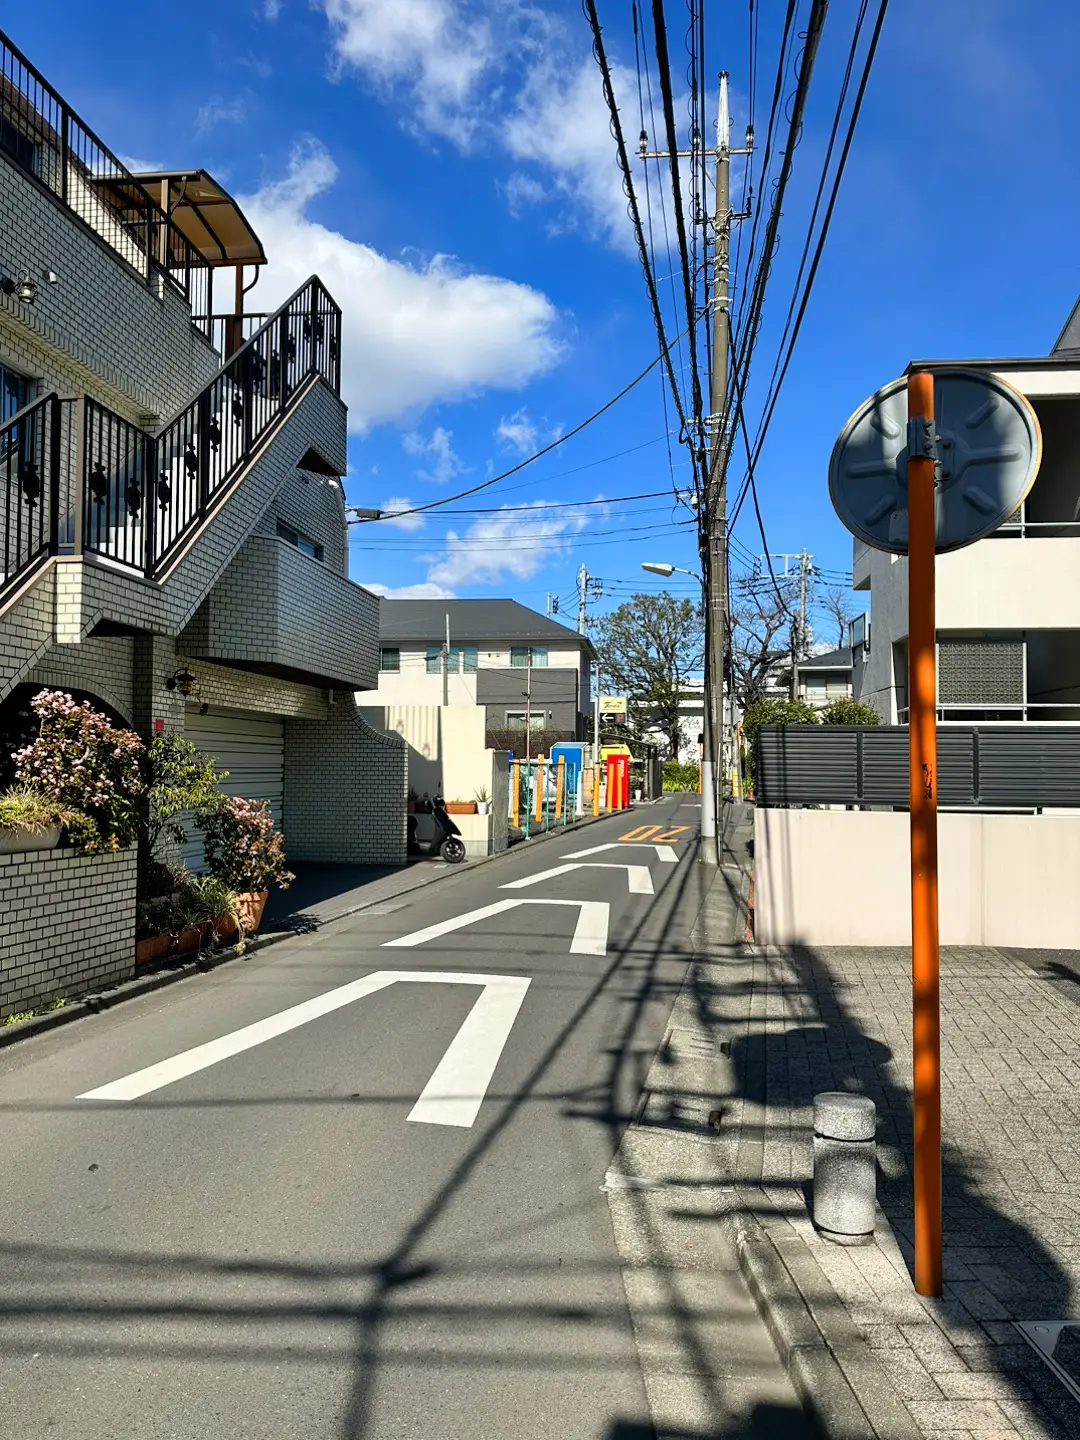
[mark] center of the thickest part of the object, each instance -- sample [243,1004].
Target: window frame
[298,540]
[538,654]
[384,651]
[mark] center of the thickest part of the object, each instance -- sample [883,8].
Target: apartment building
[172,526]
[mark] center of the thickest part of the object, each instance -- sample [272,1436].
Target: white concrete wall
[837,877]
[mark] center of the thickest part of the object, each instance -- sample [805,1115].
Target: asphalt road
[262,1243]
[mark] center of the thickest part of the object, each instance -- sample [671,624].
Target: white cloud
[561,124]
[500,75]
[140,167]
[412,334]
[219,112]
[403,522]
[511,544]
[271,9]
[423,591]
[447,464]
[517,432]
[436,49]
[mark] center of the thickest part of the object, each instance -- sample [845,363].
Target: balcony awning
[205,214]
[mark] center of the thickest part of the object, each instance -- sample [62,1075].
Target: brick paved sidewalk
[829,1019]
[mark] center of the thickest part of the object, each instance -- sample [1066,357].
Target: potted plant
[205,904]
[30,820]
[461,807]
[483,801]
[245,852]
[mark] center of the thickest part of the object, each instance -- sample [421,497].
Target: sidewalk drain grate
[1057,1343]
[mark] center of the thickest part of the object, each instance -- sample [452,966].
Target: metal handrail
[141,496]
[52,144]
[29,488]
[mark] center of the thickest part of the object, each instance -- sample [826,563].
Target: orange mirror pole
[922,741]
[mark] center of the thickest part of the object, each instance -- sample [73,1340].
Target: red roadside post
[922,742]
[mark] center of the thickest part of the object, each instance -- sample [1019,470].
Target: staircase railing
[29,488]
[77,478]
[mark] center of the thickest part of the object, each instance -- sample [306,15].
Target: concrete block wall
[314,505]
[101,665]
[67,925]
[345,790]
[101,314]
[277,606]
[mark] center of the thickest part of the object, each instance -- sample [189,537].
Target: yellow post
[538,813]
[596,789]
[560,786]
[515,781]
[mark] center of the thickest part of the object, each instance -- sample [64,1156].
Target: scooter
[446,841]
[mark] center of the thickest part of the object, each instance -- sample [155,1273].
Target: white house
[1008,607]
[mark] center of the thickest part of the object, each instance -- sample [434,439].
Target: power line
[531,459]
[615,125]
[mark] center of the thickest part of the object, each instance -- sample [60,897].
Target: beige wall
[837,877]
[448,756]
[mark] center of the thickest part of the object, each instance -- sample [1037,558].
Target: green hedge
[680,775]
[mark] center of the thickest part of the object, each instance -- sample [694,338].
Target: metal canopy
[204,213]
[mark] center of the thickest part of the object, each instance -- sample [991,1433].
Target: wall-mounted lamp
[182,680]
[24,290]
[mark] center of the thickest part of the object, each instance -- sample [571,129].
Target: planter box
[461,807]
[14,842]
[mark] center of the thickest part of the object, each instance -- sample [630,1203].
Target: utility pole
[583,578]
[552,605]
[713,524]
[798,626]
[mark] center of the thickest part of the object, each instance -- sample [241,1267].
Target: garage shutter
[252,749]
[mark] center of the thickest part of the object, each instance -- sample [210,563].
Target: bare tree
[648,648]
[761,623]
[837,605]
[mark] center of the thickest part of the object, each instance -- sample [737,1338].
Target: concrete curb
[95,1003]
[844,1390]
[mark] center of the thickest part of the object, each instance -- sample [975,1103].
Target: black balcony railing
[29,487]
[77,478]
[41,134]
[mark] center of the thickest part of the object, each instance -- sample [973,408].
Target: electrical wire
[615,125]
[530,459]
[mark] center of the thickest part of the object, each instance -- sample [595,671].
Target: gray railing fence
[982,766]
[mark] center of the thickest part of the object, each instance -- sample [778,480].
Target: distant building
[520,666]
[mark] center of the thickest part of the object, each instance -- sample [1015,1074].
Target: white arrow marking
[590,934]
[666,852]
[637,876]
[452,1096]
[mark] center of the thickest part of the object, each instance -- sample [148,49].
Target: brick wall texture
[102,315]
[345,789]
[68,925]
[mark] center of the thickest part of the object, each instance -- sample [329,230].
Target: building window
[453,660]
[15,391]
[519,656]
[302,542]
[19,146]
[468,655]
[434,659]
[515,720]
[390,658]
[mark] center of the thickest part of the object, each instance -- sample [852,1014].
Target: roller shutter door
[251,748]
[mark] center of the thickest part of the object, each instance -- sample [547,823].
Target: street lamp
[709,789]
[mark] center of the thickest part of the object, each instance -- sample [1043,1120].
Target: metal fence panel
[993,766]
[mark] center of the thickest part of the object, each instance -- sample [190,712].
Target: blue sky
[446,166]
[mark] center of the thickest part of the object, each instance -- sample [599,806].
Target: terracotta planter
[224,926]
[251,910]
[461,807]
[190,938]
[154,947]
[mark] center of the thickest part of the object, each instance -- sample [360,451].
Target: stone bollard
[845,1167]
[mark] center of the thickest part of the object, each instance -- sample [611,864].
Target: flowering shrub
[86,766]
[241,846]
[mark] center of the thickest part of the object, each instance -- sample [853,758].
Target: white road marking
[638,879]
[667,853]
[457,1087]
[590,935]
